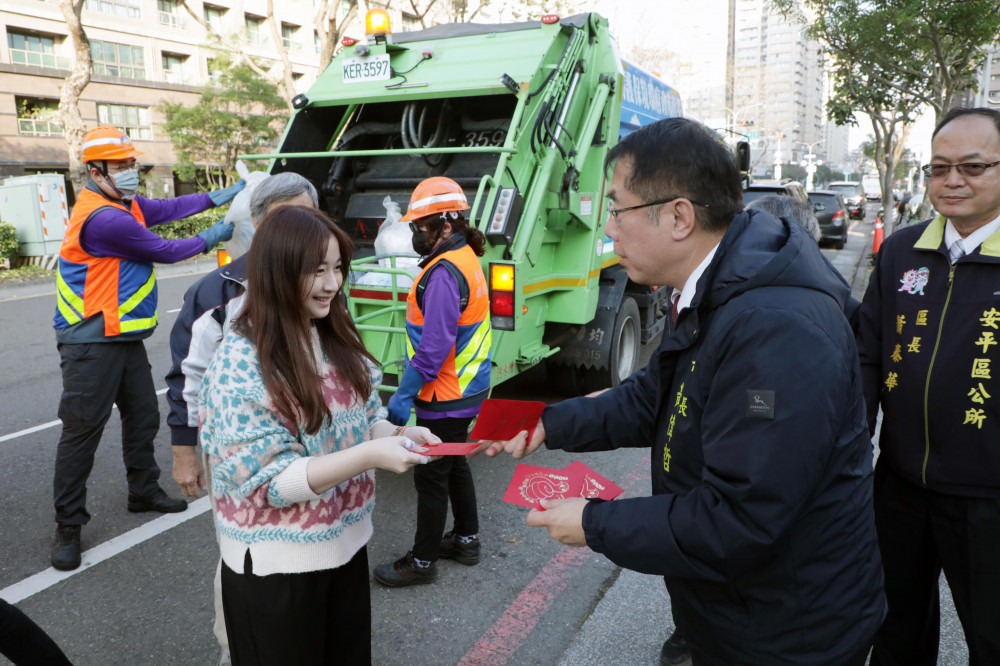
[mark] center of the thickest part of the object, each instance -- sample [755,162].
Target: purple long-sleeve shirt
[442,309]
[112,232]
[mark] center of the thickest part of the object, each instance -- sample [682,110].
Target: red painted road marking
[510,630]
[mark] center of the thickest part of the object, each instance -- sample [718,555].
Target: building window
[38,117]
[214,68]
[288,37]
[133,120]
[170,14]
[173,67]
[31,49]
[213,16]
[255,29]
[121,60]
[409,23]
[123,8]
[318,44]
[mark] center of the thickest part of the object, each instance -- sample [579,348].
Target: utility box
[36,206]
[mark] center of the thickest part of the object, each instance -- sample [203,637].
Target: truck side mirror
[743,155]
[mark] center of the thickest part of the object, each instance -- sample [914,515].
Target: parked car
[790,188]
[831,211]
[854,197]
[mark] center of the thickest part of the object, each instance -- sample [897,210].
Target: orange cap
[435,195]
[107,143]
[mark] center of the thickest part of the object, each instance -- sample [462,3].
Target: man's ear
[683,222]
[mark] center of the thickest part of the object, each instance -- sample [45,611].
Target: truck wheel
[624,352]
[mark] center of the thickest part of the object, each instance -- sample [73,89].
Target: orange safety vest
[464,378]
[123,290]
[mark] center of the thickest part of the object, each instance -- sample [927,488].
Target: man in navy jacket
[761,517]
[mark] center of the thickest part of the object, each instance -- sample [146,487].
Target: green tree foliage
[892,56]
[8,241]
[241,113]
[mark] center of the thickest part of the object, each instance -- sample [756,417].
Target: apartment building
[778,85]
[144,52]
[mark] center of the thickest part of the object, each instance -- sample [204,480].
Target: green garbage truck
[521,115]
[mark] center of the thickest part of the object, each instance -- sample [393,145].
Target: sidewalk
[202,264]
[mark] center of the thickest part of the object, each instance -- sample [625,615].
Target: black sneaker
[452,548]
[405,571]
[66,551]
[675,650]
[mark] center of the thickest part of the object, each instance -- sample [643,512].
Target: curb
[42,286]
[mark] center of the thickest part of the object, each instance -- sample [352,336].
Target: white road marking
[43,580]
[50,424]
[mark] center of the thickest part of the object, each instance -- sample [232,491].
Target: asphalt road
[144,593]
[152,602]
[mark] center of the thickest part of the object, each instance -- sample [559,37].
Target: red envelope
[531,484]
[592,484]
[503,419]
[451,448]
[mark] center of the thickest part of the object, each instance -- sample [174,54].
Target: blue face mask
[126,181]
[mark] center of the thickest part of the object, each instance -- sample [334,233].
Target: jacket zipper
[930,368]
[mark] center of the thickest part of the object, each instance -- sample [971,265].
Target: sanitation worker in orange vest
[105,308]
[447,376]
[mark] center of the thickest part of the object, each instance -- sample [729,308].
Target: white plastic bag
[239,212]
[394,238]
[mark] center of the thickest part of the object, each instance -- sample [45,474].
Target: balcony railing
[23,57]
[39,127]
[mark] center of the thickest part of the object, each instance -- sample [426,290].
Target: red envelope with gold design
[593,484]
[503,419]
[531,484]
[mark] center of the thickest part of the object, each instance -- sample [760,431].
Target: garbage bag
[239,212]
[394,238]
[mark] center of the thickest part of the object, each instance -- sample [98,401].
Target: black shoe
[675,650]
[66,551]
[158,501]
[405,571]
[452,548]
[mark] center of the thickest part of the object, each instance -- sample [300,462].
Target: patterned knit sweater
[261,495]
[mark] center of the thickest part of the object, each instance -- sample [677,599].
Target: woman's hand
[397,454]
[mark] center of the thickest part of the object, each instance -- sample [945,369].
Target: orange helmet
[107,143]
[435,195]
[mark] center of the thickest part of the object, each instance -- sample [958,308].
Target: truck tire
[623,355]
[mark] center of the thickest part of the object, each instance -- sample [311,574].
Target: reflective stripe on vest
[464,378]
[122,290]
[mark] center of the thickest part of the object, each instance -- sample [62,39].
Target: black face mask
[420,243]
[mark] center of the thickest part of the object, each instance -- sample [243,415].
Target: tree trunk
[286,85]
[330,30]
[69,94]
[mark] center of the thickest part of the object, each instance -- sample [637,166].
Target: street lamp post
[810,165]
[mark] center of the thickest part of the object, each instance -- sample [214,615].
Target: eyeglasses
[615,212]
[971,169]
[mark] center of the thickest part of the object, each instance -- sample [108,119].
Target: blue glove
[222,231]
[224,196]
[402,400]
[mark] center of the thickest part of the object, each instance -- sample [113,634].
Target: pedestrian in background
[930,327]
[761,520]
[446,378]
[105,308]
[209,305]
[292,423]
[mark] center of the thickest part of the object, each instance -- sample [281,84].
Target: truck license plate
[375,68]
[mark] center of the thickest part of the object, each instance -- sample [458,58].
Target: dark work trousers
[307,619]
[96,377]
[921,533]
[449,477]
[24,642]
[857,659]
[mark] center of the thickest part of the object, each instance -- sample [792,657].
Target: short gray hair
[790,207]
[277,188]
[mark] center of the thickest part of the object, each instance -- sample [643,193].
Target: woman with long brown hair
[294,427]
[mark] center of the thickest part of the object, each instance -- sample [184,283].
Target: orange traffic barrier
[879,235]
